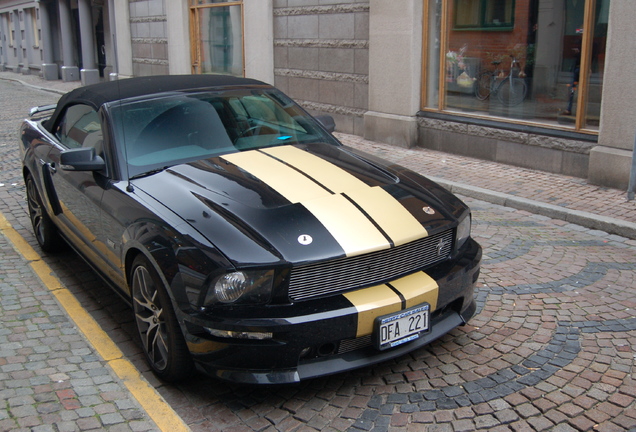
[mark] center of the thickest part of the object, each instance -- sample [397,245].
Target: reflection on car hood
[299,203]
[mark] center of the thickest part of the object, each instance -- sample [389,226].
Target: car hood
[297,204]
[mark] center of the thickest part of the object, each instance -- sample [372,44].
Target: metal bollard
[632,175]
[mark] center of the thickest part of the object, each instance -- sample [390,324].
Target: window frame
[34,13]
[195,40]
[446,24]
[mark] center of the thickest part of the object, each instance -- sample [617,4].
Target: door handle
[52,168]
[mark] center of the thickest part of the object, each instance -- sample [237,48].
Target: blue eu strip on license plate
[401,327]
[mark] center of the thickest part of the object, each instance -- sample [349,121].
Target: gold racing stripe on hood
[380,300]
[283,179]
[387,212]
[353,231]
[360,217]
[327,174]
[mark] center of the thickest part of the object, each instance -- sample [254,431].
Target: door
[79,193]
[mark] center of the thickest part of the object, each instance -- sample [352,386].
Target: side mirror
[328,122]
[81,159]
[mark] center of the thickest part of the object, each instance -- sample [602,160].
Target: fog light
[305,352]
[239,335]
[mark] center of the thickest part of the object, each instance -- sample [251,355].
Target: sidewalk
[560,197]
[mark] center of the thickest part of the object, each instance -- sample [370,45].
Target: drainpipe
[632,175]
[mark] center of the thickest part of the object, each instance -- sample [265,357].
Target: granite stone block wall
[321,57]
[149,32]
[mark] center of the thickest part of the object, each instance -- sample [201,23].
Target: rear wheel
[43,227]
[160,333]
[482,85]
[512,92]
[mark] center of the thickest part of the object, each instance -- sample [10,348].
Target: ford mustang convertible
[251,244]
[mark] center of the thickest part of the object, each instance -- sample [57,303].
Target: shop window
[546,68]
[216,28]
[484,14]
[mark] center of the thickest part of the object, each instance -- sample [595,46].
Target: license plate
[401,327]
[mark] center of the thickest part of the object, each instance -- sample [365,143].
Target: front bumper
[324,336]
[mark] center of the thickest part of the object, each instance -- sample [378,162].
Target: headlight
[463,230]
[241,287]
[230,287]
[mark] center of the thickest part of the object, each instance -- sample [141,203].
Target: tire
[482,85]
[512,93]
[45,231]
[161,338]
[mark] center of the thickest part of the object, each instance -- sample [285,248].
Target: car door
[79,193]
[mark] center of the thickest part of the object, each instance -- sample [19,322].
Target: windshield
[168,130]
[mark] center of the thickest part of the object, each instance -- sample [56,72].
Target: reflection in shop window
[544,64]
[485,14]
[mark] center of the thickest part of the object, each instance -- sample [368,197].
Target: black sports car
[249,242]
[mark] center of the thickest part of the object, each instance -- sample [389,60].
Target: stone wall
[148,27]
[321,57]
[519,148]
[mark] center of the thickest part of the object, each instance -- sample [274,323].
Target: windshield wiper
[149,173]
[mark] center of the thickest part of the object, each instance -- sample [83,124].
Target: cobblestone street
[552,346]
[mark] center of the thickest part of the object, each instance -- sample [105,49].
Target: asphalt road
[553,346]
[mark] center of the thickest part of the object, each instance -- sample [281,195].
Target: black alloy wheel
[43,227]
[157,326]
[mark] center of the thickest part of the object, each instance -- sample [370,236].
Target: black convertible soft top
[97,95]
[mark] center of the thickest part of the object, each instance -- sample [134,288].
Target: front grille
[344,274]
[349,345]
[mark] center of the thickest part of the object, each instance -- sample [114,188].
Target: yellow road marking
[151,401]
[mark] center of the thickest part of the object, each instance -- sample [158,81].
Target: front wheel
[483,85]
[160,333]
[512,91]
[43,227]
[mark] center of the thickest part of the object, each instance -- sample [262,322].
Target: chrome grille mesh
[348,345]
[344,274]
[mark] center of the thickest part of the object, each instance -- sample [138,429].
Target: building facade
[543,84]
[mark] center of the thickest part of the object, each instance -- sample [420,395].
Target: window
[80,127]
[216,28]
[484,14]
[11,30]
[32,17]
[545,69]
[34,27]
[209,124]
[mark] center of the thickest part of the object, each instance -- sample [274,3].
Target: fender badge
[428,210]
[305,239]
